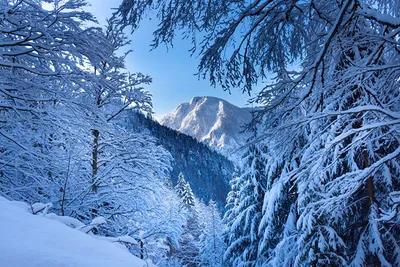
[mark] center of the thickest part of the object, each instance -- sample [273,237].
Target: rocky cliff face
[213,121]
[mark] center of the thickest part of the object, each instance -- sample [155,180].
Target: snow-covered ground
[28,240]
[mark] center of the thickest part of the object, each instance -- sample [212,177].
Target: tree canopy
[327,126]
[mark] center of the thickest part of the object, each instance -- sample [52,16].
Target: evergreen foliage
[327,134]
[187,251]
[211,243]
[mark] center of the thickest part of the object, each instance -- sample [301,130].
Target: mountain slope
[207,171]
[211,120]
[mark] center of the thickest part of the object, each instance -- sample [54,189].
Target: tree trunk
[95,154]
[141,249]
[64,188]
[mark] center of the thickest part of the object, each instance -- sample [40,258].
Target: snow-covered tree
[180,185]
[117,92]
[160,228]
[245,211]
[187,249]
[64,93]
[120,161]
[231,213]
[211,243]
[188,197]
[42,52]
[328,121]
[184,192]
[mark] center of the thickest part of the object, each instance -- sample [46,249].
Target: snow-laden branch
[377,16]
[364,128]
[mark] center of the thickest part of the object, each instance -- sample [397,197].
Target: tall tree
[211,243]
[331,121]
[181,185]
[117,92]
[61,82]
[243,219]
[42,52]
[187,251]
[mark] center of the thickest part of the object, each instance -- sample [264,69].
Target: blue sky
[172,70]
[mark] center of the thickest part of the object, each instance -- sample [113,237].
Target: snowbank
[37,241]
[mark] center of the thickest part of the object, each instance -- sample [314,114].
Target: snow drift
[37,241]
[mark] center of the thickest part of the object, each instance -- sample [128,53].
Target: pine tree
[212,246]
[187,250]
[329,128]
[244,218]
[188,197]
[181,185]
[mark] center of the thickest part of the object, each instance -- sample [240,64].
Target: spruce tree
[243,237]
[212,246]
[329,126]
[188,198]
[180,186]
[187,250]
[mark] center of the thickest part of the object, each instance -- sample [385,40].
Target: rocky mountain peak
[213,121]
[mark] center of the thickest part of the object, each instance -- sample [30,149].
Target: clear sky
[173,71]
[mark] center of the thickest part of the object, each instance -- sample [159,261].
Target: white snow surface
[37,241]
[213,121]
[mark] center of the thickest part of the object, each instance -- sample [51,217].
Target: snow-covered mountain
[213,121]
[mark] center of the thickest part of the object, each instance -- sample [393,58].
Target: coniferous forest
[89,178]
